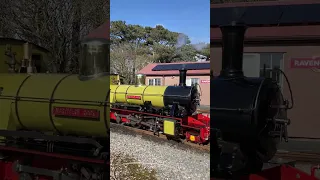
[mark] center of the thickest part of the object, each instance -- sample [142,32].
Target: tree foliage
[206,51]
[57,25]
[127,59]
[134,46]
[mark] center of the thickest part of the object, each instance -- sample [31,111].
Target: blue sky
[191,17]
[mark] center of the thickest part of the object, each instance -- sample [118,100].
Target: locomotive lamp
[248,114]
[94,58]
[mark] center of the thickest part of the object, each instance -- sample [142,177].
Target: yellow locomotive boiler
[176,101]
[70,111]
[55,107]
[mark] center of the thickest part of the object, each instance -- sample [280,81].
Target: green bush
[124,167]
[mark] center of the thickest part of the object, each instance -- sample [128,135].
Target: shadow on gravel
[124,167]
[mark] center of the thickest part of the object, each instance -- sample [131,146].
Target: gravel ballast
[170,160]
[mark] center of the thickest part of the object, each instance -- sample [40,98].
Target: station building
[165,74]
[285,35]
[14,50]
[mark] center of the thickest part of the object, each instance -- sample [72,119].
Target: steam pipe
[182,77]
[232,49]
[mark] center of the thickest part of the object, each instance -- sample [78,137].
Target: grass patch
[124,167]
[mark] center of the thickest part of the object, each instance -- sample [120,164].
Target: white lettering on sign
[205,81]
[305,62]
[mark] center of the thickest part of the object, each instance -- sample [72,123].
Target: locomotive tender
[170,110]
[55,125]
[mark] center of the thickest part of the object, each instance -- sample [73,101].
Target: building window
[268,63]
[263,65]
[194,81]
[155,82]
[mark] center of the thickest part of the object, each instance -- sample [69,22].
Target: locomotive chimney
[232,49]
[94,58]
[182,77]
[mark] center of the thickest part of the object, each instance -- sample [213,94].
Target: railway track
[299,157]
[203,111]
[142,132]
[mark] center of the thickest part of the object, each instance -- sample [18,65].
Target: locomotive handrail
[229,109]
[135,93]
[48,99]
[115,92]
[60,101]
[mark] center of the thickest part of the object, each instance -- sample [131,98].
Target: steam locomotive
[249,114]
[64,118]
[57,125]
[170,110]
[176,101]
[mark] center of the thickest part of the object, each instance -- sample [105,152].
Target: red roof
[148,70]
[102,31]
[284,32]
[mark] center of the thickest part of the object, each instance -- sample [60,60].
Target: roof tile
[102,31]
